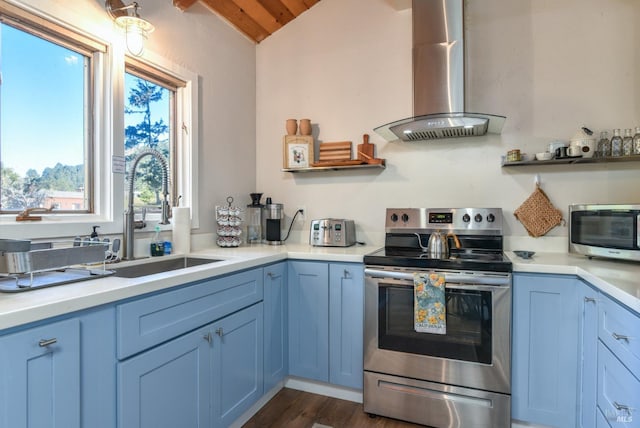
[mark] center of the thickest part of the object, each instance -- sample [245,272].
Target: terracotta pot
[292,126]
[305,127]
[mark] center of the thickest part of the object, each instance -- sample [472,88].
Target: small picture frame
[297,151]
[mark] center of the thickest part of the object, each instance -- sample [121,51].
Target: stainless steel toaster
[332,232]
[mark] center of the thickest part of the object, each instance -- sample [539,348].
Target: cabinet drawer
[618,328]
[618,388]
[149,321]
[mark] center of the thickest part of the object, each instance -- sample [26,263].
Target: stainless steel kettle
[438,245]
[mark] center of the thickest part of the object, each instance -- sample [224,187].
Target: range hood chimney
[438,79]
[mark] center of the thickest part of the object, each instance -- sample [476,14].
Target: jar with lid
[627,142]
[604,145]
[616,143]
[636,141]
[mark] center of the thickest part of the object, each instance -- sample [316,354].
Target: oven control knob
[405,217]
[478,218]
[394,217]
[491,218]
[466,218]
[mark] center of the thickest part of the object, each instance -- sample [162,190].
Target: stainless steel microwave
[611,231]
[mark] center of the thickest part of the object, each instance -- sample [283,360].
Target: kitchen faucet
[127,251]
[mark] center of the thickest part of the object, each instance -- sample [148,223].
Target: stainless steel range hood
[438,79]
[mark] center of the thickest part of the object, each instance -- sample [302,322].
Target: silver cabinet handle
[589,300]
[617,336]
[46,342]
[624,407]
[270,275]
[219,331]
[208,338]
[346,274]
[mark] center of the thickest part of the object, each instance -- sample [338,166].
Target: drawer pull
[347,274]
[208,338]
[589,300]
[219,331]
[622,407]
[617,336]
[46,342]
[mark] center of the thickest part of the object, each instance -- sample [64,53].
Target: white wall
[196,40]
[549,66]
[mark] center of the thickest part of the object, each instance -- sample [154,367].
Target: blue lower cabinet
[346,324]
[309,320]
[237,364]
[326,318]
[545,349]
[205,378]
[618,390]
[276,343]
[167,386]
[40,370]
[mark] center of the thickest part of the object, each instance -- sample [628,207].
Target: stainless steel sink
[160,265]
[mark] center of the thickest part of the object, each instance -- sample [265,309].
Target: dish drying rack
[229,224]
[25,266]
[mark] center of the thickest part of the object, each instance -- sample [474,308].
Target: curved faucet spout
[127,251]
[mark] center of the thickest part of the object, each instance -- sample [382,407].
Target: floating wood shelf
[608,159]
[333,168]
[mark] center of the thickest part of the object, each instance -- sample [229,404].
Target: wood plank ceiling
[257,19]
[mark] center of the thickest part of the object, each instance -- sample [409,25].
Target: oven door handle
[449,277]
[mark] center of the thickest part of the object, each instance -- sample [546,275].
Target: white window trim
[108,114]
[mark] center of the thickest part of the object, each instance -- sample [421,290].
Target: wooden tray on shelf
[346,162]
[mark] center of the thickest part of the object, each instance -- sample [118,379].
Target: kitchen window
[91,147]
[150,122]
[46,122]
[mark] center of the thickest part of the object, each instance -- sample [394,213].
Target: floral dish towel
[429,306]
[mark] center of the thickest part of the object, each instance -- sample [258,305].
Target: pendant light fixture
[136,29]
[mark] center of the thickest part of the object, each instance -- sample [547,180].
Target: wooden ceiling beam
[259,14]
[310,3]
[295,6]
[278,10]
[183,4]
[237,17]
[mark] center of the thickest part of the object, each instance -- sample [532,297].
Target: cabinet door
[237,364]
[309,320]
[587,381]
[167,386]
[545,349]
[41,376]
[276,344]
[346,321]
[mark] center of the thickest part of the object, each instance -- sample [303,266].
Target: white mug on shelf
[585,147]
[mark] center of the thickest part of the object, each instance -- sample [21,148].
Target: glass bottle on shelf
[604,145]
[616,143]
[636,141]
[627,142]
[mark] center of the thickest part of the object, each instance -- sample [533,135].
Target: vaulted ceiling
[257,19]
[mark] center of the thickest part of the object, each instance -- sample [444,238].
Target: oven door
[475,352]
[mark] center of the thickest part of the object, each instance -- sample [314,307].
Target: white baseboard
[325,389]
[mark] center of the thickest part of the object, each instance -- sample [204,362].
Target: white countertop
[621,280]
[618,279]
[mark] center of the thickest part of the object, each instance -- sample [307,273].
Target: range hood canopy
[438,79]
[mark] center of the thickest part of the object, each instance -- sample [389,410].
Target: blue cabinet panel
[619,328]
[276,343]
[346,318]
[98,368]
[237,362]
[587,377]
[152,320]
[309,320]
[618,391]
[545,349]
[168,386]
[40,370]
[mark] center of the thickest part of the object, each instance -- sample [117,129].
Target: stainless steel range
[460,378]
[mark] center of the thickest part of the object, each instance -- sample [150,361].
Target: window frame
[108,116]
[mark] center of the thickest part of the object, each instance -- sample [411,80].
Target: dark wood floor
[297,409]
